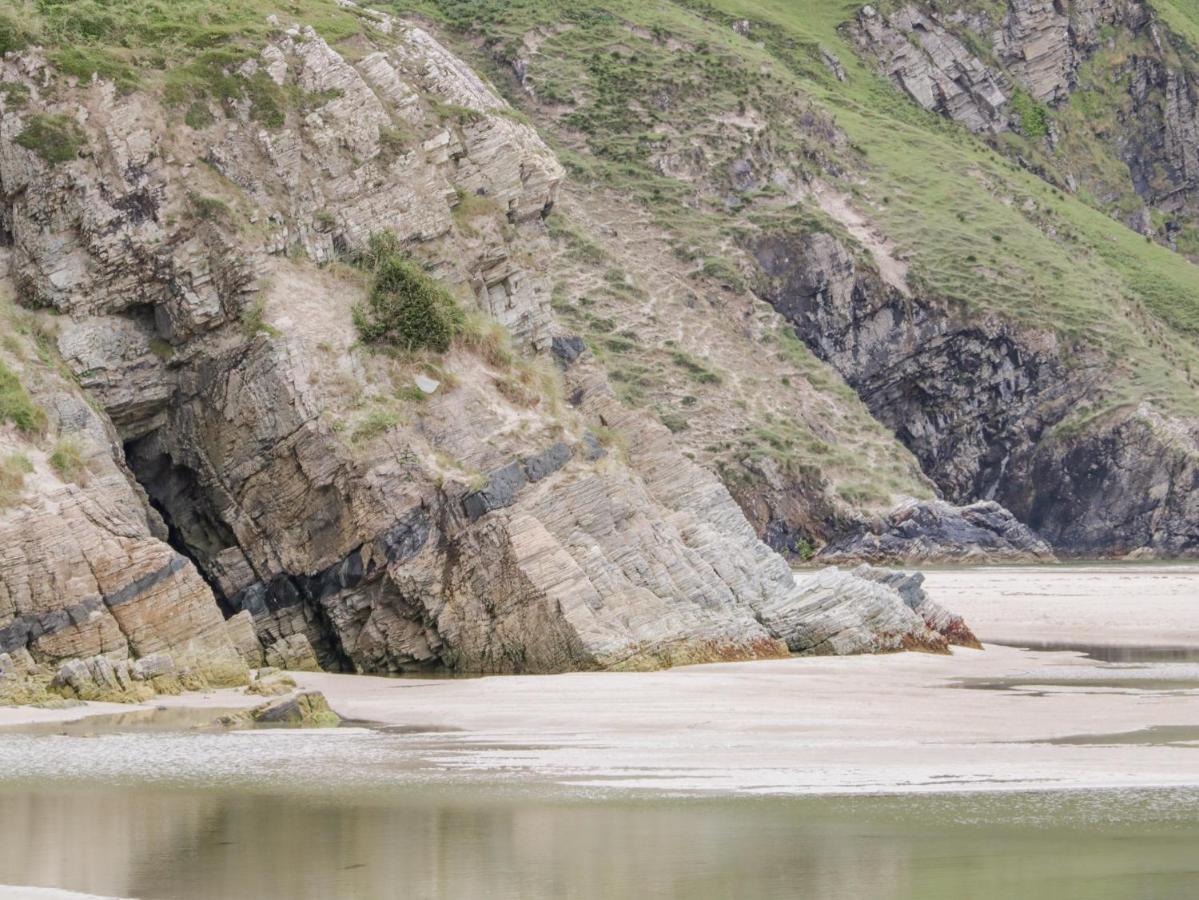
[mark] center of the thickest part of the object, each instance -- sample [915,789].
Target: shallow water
[300,841]
[1116,653]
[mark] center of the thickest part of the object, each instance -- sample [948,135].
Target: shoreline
[977,721]
[991,720]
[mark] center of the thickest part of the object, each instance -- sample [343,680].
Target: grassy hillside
[713,131]
[975,228]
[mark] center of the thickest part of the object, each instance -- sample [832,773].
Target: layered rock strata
[985,406]
[917,531]
[487,525]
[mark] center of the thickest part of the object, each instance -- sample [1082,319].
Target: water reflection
[172,843]
[1117,653]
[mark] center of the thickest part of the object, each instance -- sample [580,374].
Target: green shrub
[253,319]
[724,271]
[393,141]
[55,138]
[378,422]
[208,209]
[676,422]
[694,368]
[406,308]
[1034,117]
[12,36]
[16,406]
[324,220]
[15,94]
[198,115]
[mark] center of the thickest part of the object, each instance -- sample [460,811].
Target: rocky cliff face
[985,406]
[84,567]
[968,65]
[362,511]
[934,68]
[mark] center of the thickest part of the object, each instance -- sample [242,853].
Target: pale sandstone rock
[934,68]
[292,652]
[570,556]
[240,628]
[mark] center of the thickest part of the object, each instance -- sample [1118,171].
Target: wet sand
[907,722]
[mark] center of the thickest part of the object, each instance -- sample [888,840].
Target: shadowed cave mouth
[196,530]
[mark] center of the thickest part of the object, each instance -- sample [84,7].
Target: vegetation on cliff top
[973,227]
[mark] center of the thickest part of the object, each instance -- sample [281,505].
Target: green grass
[376,423]
[55,138]
[13,469]
[978,232]
[188,49]
[16,405]
[67,459]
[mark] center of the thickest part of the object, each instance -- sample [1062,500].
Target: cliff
[274,488]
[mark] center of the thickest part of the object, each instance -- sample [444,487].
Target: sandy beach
[1126,604]
[1001,718]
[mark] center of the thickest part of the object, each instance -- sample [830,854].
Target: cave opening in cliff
[196,529]
[193,528]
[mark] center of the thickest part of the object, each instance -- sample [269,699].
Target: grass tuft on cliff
[16,405]
[405,308]
[55,138]
[13,469]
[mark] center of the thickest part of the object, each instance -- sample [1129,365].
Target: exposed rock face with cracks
[982,403]
[298,481]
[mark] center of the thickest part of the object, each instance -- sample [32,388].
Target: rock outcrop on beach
[917,531]
[357,511]
[693,323]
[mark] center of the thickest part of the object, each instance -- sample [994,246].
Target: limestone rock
[307,709]
[99,678]
[1035,43]
[270,682]
[845,613]
[292,652]
[933,67]
[240,628]
[908,585]
[490,530]
[917,531]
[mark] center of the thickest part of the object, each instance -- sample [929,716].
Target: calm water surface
[298,841]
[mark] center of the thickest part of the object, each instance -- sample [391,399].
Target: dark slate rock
[933,530]
[566,349]
[502,486]
[547,462]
